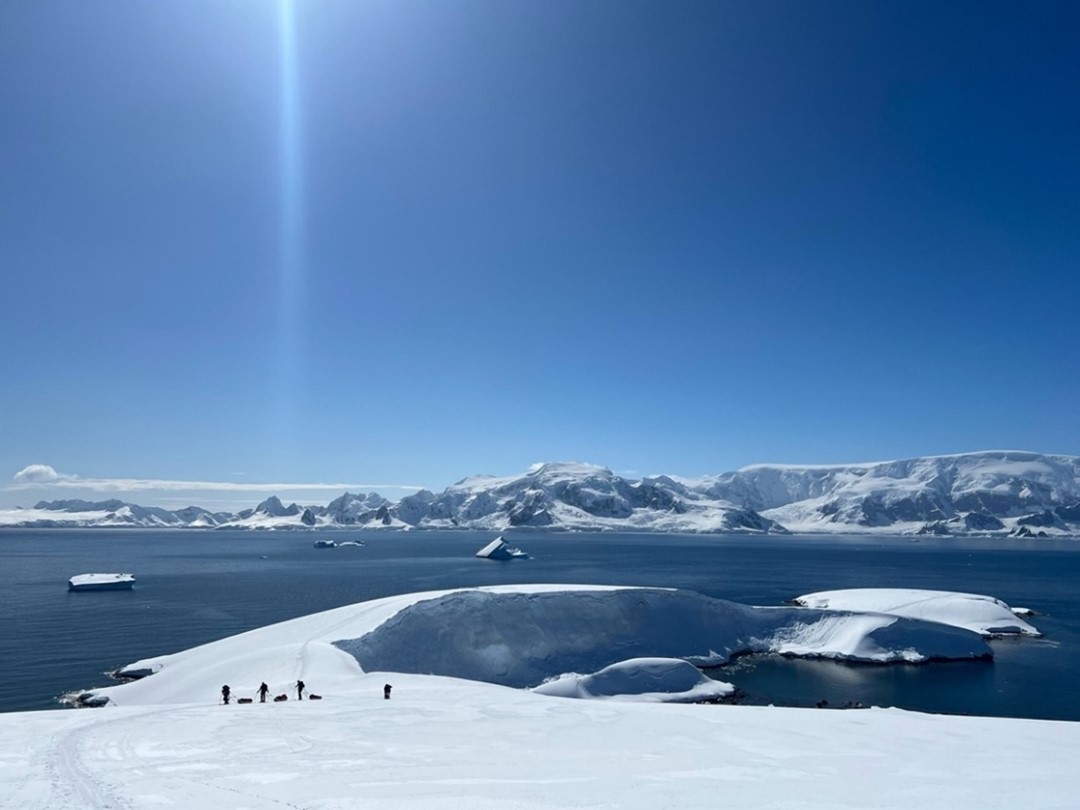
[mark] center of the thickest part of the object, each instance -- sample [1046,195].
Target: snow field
[451,744]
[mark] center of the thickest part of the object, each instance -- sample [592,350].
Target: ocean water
[194,587]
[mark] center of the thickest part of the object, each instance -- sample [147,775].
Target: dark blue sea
[197,586]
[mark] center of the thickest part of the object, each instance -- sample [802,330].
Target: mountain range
[995,492]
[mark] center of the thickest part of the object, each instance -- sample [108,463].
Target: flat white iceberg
[101,582]
[653,680]
[981,614]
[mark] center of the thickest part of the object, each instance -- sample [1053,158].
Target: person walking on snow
[299,690]
[225,691]
[263,691]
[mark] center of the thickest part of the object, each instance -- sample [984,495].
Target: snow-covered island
[525,635]
[101,582]
[981,614]
[998,493]
[450,656]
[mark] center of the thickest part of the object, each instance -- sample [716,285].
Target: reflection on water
[956,687]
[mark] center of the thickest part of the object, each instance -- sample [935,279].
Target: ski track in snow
[77,779]
[297,743]
[69,778]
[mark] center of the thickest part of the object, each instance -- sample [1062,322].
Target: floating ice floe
[984,615]
[101,582]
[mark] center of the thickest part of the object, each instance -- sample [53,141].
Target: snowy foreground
[459,742]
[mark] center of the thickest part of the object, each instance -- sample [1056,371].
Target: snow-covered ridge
[995,492]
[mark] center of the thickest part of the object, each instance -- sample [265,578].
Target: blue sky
[403,242]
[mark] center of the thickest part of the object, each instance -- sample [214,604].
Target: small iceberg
[101,582]
[499,549]
[325,544]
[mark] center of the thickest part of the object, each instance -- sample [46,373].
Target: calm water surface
[194,587]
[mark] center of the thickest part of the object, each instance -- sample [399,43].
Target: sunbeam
[290,228]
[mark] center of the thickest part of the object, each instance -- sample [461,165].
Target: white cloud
[37,476]
[33,474]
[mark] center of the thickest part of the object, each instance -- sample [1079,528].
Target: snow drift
[653,680]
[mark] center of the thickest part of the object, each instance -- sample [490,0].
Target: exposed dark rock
[937,528]
[1042,519]
[982,522]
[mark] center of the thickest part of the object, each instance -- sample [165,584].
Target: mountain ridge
[1007,492]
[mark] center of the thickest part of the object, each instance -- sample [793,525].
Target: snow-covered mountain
[995,491]
[584,497]
[998,492]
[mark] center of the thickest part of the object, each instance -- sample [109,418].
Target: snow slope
[446,744]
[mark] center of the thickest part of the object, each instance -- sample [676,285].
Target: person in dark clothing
[264,690]
[225,692]
[386,691]
[299,690]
